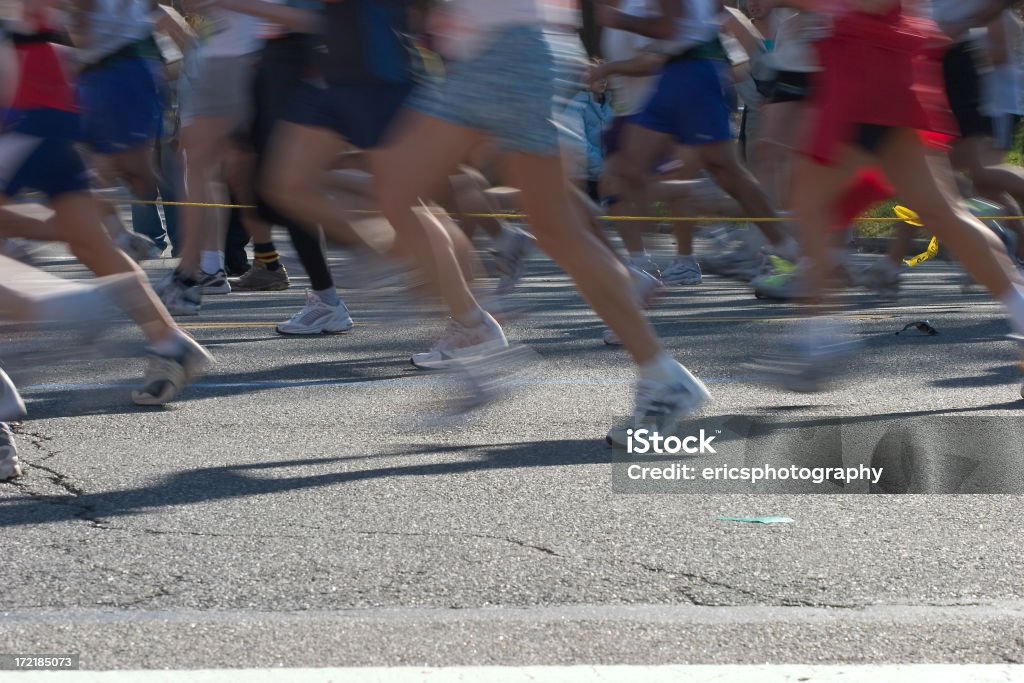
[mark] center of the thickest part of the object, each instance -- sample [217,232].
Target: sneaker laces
[311,311]
[649,399]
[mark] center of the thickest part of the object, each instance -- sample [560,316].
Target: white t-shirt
[795,34]
[230,34]
[1004,85]
[699,24]
[629,93]
[114,24]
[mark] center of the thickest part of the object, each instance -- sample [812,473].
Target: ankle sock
[266,254]
[329,296]
[211,262]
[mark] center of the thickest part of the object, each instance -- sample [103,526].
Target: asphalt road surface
[313,502]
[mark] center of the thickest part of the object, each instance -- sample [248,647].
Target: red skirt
[883,70]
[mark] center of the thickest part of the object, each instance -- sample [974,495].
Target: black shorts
[359,113]
[871,137]
[790,86]
[963,88]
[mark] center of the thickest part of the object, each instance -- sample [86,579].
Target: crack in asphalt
[492,537]
[86,513]
[760,598]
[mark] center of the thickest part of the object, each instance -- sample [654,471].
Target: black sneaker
[214,283]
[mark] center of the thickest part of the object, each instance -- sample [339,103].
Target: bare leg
[78,220]
[815,191]
[599,276]
[422,156]
[925,182]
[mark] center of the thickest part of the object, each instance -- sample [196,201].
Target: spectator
[591,112]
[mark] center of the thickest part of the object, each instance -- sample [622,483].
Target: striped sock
[267,255]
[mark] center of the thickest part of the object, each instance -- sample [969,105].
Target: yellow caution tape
[911,218]
[929,253]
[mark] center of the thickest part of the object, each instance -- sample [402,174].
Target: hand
[596,74]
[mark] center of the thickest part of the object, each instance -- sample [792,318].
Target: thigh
[299,154]
[421,154]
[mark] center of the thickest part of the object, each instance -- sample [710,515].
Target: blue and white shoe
[460,343]
[663,405]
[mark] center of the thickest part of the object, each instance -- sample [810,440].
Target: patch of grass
[877,228]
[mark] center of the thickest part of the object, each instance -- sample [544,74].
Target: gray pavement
[305,505]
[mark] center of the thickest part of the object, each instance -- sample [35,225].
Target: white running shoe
[139,247]
[460,343]
[178,298]
[11,405]
[646,287]
[10,468]
[814,358]
[684,270]
[168,375]
[743,259]
[646,264]
[610,338]
[317,317]
[214,283]
[509,259]
[663,404]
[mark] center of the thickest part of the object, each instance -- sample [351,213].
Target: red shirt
[43,82]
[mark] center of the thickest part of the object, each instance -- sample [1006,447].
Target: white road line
[388,383]
[634,614]
[904,673]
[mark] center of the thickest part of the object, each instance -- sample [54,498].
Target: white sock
[1013,300]
[662,368]
[170,345]
[329,296]
[211,262]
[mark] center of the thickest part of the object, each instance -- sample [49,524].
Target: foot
[317,317]
[11,405]
[260,279]
[509,259]
[10,468]
[684,270]
[168,375]
[646,264]
[178,297]
[663,404]
[646,287]
[813,359]
[742,258]
[139,247]
[460,343]
[610,338]
[214,283]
